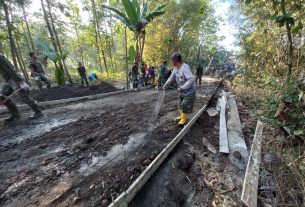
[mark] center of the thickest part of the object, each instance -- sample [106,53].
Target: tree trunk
[51,34]
[126,56]
[137,48]
[27,27]
[289,42]
[79,46]
[102,47]
[1,47]
[10,33]
[26,39]
[198,55]
[22,64]
[143,43]
[57,41]
[298,60]
[97,44]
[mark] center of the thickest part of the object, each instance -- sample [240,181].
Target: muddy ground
[86,154]
[194,176]
[69,91]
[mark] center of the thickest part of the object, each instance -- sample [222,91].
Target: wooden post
[250,185]
[223,136]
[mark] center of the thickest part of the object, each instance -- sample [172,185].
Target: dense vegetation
[60,31]
[270,58]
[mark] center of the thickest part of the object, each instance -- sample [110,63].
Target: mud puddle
[36,129]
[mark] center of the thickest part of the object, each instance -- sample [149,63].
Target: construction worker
[185,87]
[162,72]
[134,75]
[82,73]
[199,74]
[12,78]
[92,76]
[143,73]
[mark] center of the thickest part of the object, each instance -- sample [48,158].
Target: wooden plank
[128,195]
[250,185]
[223,136]
[238,150]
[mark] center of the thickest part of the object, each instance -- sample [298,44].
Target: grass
[263,96]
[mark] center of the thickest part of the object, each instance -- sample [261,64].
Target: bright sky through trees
[221,9]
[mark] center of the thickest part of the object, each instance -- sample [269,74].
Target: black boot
[12,108]
[37,111]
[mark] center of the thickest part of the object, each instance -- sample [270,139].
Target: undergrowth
[264,94]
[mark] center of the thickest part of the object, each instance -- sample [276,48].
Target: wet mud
[69,91]
[91,154]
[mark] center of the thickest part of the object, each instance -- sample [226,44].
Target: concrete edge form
[125,197]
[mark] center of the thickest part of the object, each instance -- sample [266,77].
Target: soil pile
[69,91]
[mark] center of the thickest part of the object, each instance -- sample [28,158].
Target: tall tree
[97,39]
[136,18]
[57,40]
[21,4]
[10,33]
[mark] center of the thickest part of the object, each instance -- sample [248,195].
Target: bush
[59,76]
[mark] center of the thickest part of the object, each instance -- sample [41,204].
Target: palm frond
[130,11]
[155,13]
[118,12]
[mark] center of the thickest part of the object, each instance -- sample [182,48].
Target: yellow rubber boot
[180,116]
[183,119]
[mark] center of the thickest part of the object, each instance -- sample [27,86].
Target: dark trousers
[84,78]
[42,79]
[198,79]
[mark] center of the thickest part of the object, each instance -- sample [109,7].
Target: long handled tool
[9,97]
[158,105]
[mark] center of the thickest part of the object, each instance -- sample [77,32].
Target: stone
[237,154]
[105,203]
[83,146]
[146,162]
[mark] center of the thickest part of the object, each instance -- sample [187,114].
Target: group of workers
[15,83]
[82,72]
[181,76]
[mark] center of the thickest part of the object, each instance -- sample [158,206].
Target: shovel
[158,105]
[9,97]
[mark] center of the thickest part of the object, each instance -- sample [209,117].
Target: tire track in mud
[89,161]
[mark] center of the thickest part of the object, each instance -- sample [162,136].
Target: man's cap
[176,57]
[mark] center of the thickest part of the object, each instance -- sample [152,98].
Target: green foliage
[131,53]
[134,16]
[59,76]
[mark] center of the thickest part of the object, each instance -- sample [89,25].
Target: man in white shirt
[185,87]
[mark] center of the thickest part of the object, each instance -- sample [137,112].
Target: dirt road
[86,154]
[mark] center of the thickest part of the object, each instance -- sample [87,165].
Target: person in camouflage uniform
[12,78]
[134,75]
[38,72]
[162,73]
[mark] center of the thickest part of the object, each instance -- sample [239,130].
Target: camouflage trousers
[186,103]
[24,95]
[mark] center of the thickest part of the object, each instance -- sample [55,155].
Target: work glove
[37,78]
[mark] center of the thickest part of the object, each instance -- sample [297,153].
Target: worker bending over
[185,87]
[12,78]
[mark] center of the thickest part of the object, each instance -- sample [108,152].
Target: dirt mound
[69,91]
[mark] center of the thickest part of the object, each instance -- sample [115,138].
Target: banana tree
[136,17]
[55,58]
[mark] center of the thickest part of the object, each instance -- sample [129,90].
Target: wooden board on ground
[250,185]
[223,136]
[238,150]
